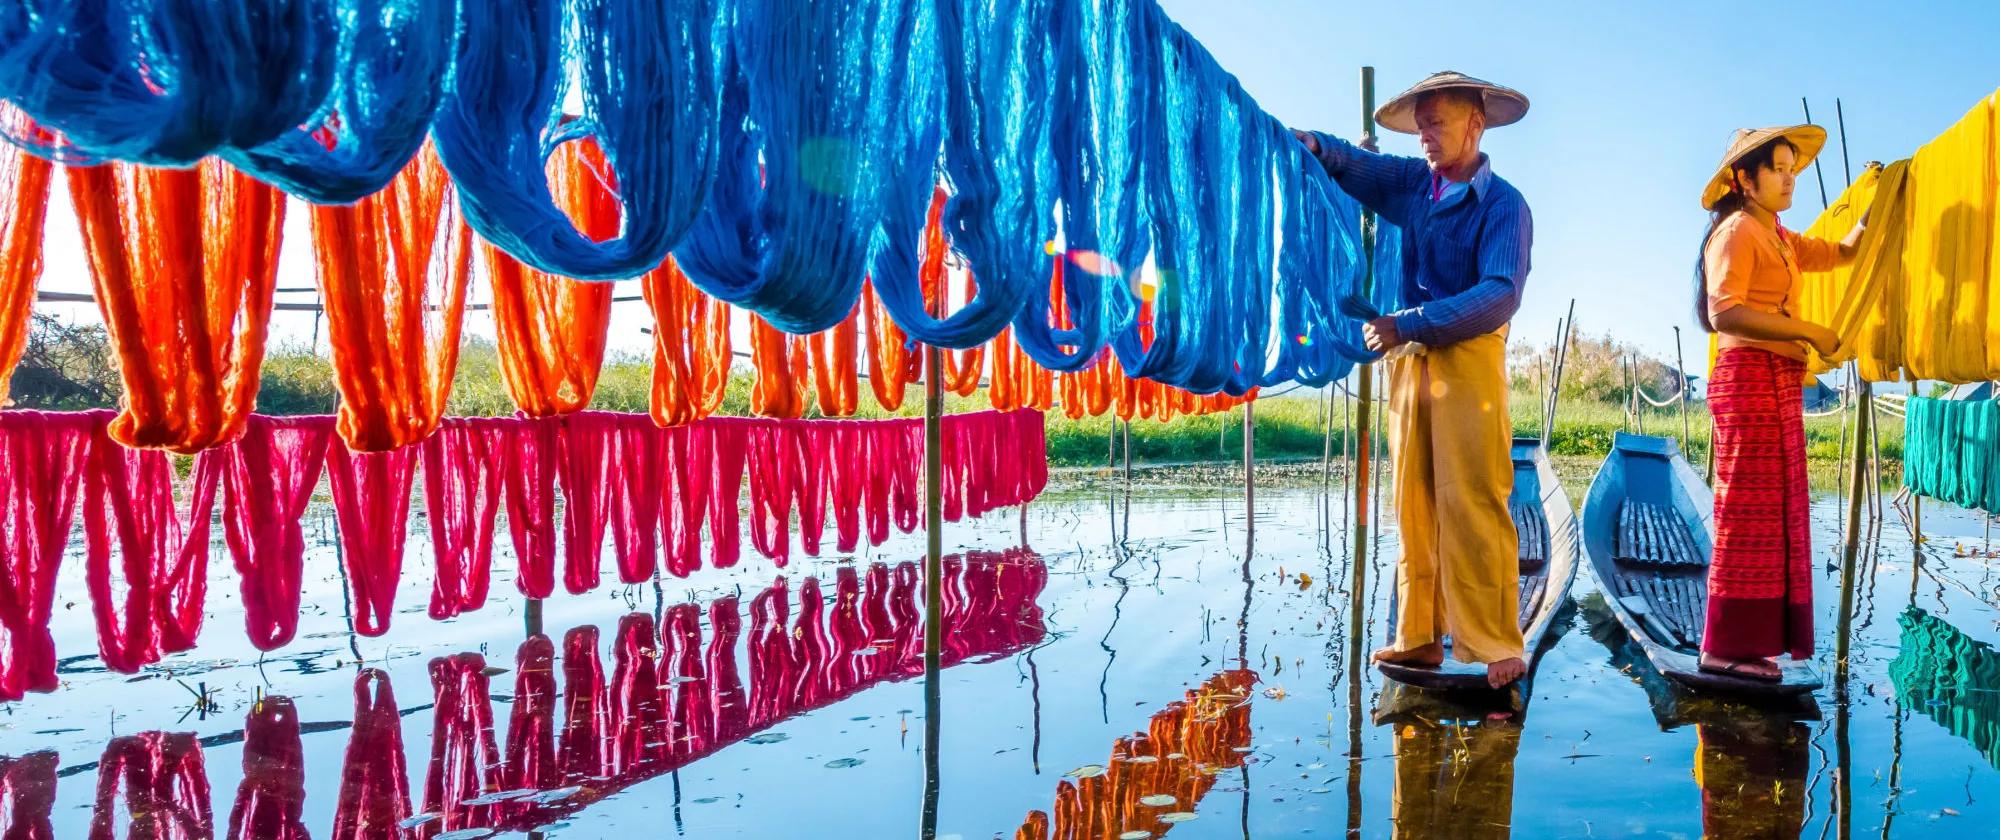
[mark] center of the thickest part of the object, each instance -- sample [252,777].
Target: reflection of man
[1468,234]
[1455,781]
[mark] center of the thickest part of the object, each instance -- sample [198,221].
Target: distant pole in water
[1366,387]
[1249,474]
[1680,365]
[1840,468]
[1816,168]
[531,617]
[1862,412]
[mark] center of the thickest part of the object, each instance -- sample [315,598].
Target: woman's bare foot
[1430,655]
[1751,669]
[1505,671]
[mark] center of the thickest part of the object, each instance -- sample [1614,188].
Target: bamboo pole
[1680,367]
[1840,467]
[1817,172]
[1249,476]
[1366,387]
[1848,550]
[933,581]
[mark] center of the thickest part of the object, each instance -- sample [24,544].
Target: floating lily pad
[1158,800]
[868,651]
[708,800]
[1178,817]
[680,680]
[766,738]
[1135,835]
[843,763]
[1086,771]
[1176,756]
[1320,790]
[1241,749]
[416,821]
[466,834]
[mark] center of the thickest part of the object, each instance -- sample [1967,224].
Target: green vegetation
[71,367]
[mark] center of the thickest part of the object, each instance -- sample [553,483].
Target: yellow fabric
[1449,435]
[1919,302]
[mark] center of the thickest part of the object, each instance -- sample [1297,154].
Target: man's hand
[1381,334]
[1310,142]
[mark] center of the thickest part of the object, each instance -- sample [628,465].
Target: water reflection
[670,698]
[1951,677]
[1454,766]
[1752,774]
[1161,773]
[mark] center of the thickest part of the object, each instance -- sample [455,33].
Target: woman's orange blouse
[1752,265]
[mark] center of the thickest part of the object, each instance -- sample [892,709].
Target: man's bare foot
[1430,655]
[1505,671]
[1752,669]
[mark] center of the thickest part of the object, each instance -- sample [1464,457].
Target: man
[1466,235]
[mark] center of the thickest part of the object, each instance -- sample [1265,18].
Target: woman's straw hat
[1807,139]
[1504,106]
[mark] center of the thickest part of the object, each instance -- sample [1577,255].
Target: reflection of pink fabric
[371,504]
[586,715]
[41,455]
[464,461]
[273,794]
[166,788]
[267,481]
[535,449]
[589,440]
[374,780]
[465,762]
[636,505]
[639,739]
[28,795]
[531,737]
[676,698]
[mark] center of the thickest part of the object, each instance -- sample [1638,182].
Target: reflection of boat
[1752,773]
[1546,523]
[667,700]
[1675,705]
[1454,767]
[1177,757]
[1950,677]
[1647,530]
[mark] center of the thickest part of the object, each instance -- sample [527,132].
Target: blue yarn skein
[1096,130]
[998,86]
[810,142]
[165,82]
[393,59]
[649,94]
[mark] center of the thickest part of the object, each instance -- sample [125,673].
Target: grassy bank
[1295,428]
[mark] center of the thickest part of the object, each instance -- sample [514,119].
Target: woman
[1760,585]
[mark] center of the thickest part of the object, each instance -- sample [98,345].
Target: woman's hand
[1308,140]
[1824,341]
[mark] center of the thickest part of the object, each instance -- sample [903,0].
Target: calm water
[729,705]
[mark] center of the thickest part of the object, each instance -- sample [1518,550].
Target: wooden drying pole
[1680,366]
[1249,476]
[1863,408]
[933,574]
[1365,390]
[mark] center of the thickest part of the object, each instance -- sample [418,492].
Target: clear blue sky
[1632,105]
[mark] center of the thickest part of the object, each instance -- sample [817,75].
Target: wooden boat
[1675,705]
[1649,533]
[1547,525]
